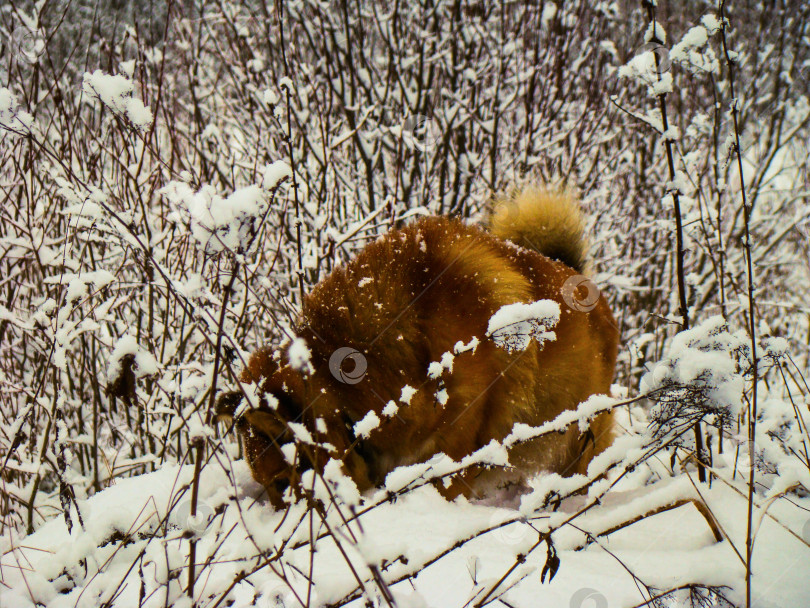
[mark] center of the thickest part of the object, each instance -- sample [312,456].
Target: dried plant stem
[699,505]
[679,253]
[199,443]
[752,411]
[287,134]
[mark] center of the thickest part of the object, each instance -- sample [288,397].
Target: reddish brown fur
[435,282]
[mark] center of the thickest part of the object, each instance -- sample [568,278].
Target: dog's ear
[227,405]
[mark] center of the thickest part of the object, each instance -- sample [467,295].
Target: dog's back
[407,301]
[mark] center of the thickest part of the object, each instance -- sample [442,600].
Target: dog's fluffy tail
[550,222]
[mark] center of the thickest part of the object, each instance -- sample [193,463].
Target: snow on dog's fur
[395,318]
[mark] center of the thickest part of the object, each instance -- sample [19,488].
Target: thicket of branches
[122,312]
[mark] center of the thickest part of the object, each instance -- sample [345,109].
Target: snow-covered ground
[55,568]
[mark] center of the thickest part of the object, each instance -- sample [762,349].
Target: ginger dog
[374,326]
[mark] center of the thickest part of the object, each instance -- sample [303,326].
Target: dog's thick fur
[403,302]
